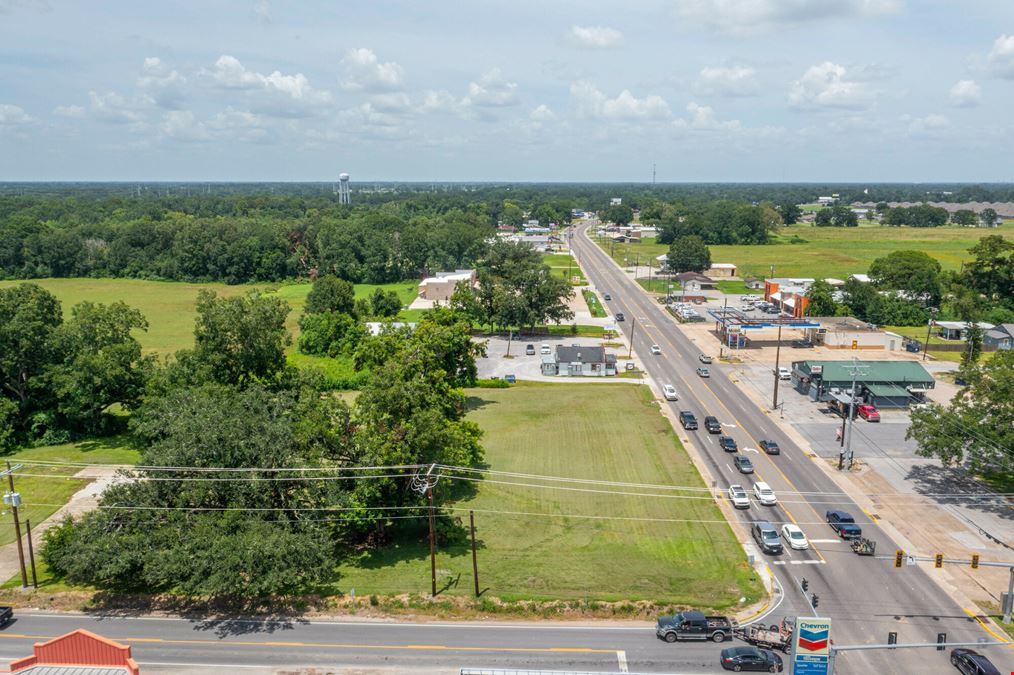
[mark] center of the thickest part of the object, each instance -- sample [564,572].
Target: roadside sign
[910,560]
[811,646]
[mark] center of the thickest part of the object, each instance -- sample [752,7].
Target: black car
[844,524]
[712,424]
[770,447]
[971,662]
[607,296]
[688,420]
[743,463]
[728,443]
[751,659]
[619,316]
[802,344]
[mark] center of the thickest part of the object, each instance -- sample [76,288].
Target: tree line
[255,481]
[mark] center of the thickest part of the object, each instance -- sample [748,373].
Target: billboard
[811,646]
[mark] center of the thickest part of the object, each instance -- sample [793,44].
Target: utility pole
[13,499]
[778,353]
[424,483]
[633,326]
[851,418]
[929,327]
[31,553]
[475,563]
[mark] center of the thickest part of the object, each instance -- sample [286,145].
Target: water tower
[343,189]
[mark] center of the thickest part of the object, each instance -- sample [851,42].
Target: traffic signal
[975,561]
[941,639]
[899,555]
[938,562]
[892,638]
[814,600]
[805,584]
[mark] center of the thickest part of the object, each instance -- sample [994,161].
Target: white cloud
[594,37]
[439,101]
[365,72]
[593,104]
[262,10]
[928,125]
[753,16]
[965,94]
[542,113]
[164,85]
[274,94]
[183,126]
[702,118]
[397,102]
[492,90]
[12,115]
[71,111]
[1001,58]
[115,108]
[728,81]
[828,86]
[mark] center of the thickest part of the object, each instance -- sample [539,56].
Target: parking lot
[526,366]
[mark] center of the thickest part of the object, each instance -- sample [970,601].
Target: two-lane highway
[865,597]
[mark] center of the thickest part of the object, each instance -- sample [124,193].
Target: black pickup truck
[6,615]
[693,625]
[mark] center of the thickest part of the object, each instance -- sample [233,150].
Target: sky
[484,90]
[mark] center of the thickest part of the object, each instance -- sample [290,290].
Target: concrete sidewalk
[82,501]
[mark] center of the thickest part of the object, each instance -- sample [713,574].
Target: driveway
[529,367]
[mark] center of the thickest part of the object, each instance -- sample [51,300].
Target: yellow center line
[665,338]
[331,645]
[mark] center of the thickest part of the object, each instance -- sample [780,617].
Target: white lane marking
[778,562]
[621,656]
[796,562]
[749,449]
[825,541]
[731,426]
[813,562]
[728,467]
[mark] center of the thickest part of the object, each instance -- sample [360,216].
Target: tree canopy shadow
[931,479]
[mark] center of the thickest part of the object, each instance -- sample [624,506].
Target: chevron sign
[813,636]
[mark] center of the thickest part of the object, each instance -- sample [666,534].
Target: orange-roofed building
[80,652]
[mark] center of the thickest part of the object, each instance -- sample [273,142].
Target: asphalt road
[161,645]
[866,598]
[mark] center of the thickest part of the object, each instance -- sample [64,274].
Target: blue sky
[727,90]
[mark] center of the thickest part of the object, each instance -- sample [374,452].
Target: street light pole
[778,353]
[929,327]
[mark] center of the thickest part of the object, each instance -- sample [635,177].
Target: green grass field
[594,306]
[605,432]
[49,488]
[170,306]
[820,252]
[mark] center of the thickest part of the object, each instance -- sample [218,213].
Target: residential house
[753,283]
[958,330]
[694,282]
[999,337]
[579,361]
[721,271]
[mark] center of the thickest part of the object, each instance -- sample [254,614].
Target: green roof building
[885,384]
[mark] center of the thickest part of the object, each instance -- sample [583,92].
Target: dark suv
[743,463]
[770,447]
[712,424]
[972,663]
[844,524]
[766,536]
[688,420]
[728,443]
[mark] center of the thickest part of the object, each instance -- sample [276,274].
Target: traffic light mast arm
[947,561]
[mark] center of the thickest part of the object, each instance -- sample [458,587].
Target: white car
[669,392]
[784,373]
[545,349]
[656,350]
[704,358]
[703,372]
[738,497]
[764,494]
[794,537]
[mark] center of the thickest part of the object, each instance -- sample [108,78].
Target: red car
[869,413]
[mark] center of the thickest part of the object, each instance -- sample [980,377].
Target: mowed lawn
[818,252]
[548,542]
[170,306]
[46,488]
